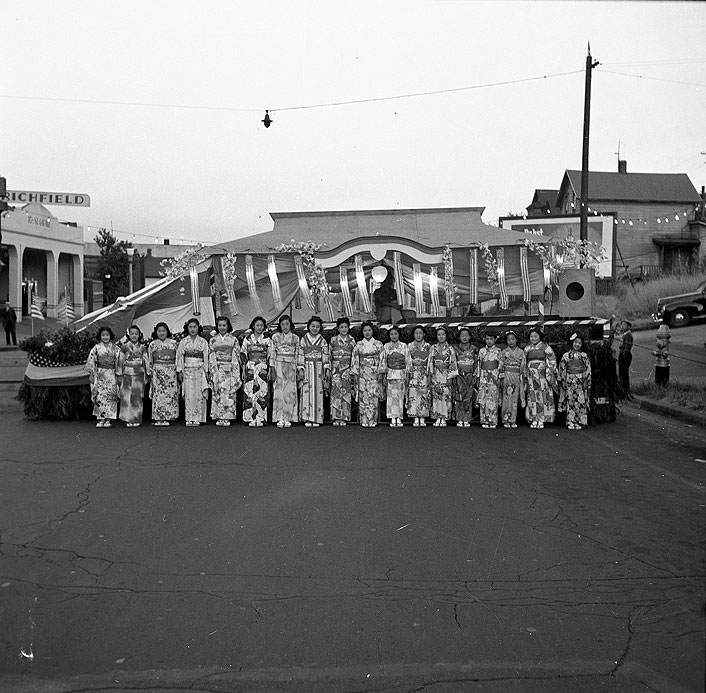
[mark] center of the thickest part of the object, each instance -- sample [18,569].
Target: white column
[15,279]
[52,282]
[77,288]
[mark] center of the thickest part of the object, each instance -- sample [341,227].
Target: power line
[203,107]
[428,93]
[656,79]
[657,63]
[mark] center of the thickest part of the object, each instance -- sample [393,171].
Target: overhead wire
[649,77]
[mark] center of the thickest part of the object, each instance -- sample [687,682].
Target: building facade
[41,257]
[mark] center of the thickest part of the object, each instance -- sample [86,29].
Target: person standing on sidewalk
[9,321]
[625,341]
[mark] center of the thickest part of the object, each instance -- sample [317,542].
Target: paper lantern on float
[379,273]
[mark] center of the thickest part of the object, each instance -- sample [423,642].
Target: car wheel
[679,318]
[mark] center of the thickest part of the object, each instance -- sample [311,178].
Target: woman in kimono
[513,386]
[575,384]
[540,380]
[341,349]
[161,367]
[418,387]
[463,384]
[283,373]
[255,355]
[192,365]
[489,372]
[133,364]
[225,372]
[394,367]
[442,369]
[313,372]
[365,369]
[103,366]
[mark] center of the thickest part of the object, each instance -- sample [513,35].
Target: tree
[113,265]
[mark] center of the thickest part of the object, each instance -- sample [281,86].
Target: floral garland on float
[312,276]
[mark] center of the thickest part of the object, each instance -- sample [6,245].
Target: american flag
[65,311]
[36,310]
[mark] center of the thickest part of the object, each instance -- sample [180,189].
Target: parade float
[403,267]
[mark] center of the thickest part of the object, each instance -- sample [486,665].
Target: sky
[214,173]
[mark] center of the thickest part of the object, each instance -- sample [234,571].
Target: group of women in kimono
[419,379]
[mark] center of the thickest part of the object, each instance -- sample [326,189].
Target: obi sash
[512,366]
[257,353]
[107,362]
[341,355]
[286,352]
[164,357]
[536,355]
[440,361]
[313,353]
[490,365]
[192,360]
[396,361]
[465,361]
[370,359]
[133,367]
[575,367]
[223,352]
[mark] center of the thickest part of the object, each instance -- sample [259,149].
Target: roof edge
[375,212]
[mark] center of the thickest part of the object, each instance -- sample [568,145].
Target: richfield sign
[23,197]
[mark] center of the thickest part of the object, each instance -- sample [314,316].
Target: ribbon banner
[449,277]
[399,278]
[274,281]
[434,291]
[362,288]
[345,292]
[418,289]
[303,284]
[500,258]
[524,271]
[195,298]
[252,288]
[474,276]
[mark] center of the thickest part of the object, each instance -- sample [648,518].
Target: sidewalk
[672,411]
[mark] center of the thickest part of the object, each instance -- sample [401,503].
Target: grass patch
[689,395]
[641,301]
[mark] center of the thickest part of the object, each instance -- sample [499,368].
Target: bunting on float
[274,281]
[345,292]
[303,284]
[449,277]
[229,275]
[362,287]
[500,258]
[252,288]
[524,271]
[474,276]
[418,289]
[434,291]
[399,278]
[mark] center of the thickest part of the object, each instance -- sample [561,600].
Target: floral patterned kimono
[466,356]
[365,366]
[418,392]
[442,369]
[133,360]
[103,366]
[313,359]
[225,374]
[395,363]
[164,389]
[192,361]
[255,350]
[489,371]
[575,387]
[283,358]
[341,349]
[540,381]
[513,384]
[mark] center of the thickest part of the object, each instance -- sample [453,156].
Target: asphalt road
[352,560]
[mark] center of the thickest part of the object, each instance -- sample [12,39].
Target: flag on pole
[65,311]
[36,310]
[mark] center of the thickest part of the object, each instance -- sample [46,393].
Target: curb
[669,410]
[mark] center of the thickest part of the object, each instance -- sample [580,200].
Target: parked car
[680,310]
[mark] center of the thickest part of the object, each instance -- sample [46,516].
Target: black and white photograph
[350,225]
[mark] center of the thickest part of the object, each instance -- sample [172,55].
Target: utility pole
[590,64]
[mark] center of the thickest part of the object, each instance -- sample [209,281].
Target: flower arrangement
[228,264]
[491,266]
[315,273]
[64,348]
[181,264]
[567,253]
